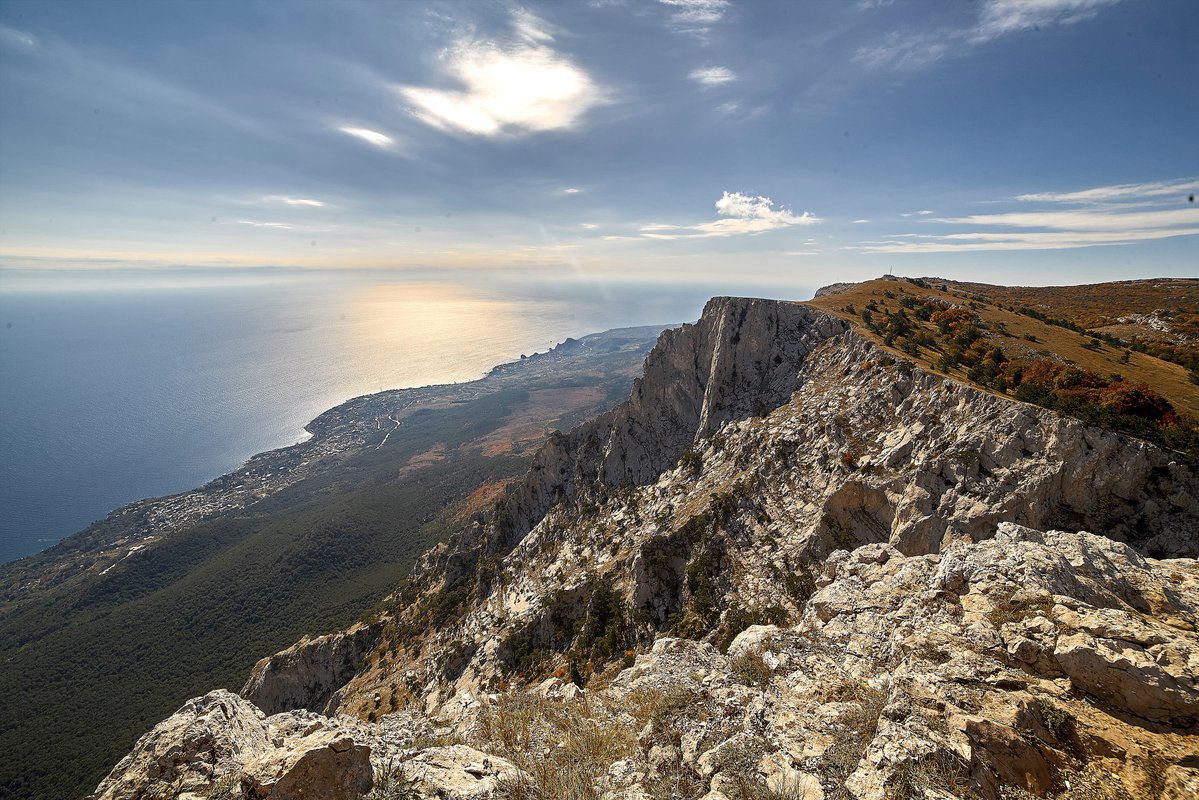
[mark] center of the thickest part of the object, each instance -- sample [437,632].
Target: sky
[1011,141]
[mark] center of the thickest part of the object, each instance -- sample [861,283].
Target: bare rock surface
[307,674]
[986,669]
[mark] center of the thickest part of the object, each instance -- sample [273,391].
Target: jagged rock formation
[1024,661]
[220,745]
[825,572]
[307,674]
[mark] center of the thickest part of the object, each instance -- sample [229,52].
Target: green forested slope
[88,666]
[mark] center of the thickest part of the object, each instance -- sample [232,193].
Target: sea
[117,385]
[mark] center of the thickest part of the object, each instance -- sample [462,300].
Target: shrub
[751,668]
[1056,720]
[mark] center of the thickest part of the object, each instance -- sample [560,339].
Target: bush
[752,668]
[692,462]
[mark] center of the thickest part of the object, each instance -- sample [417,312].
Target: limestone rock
[307,674]
[457,772]
[1139,666]
[203,743]
[328,764]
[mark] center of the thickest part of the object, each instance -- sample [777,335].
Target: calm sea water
[114,389]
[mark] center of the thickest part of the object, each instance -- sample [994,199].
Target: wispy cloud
[1001,17]
[697,12]
[696,17]
[713,76]
[369,136]
[1103,215]
[739,213]
[519,86]
[18,37]
[293,201]
[1124,191]
[257,224]
[996,19]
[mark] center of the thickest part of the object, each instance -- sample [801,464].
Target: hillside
[110,630]
[797,562]
[1005,317]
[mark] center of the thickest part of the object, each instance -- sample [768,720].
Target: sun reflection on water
[443,332]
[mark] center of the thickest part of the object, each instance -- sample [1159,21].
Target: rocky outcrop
[866,450]
[741,359]
[220,746]
[957,673]
[307,674]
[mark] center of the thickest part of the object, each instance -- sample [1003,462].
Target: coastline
[360,422]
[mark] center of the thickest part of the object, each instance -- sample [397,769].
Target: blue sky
[1013,141]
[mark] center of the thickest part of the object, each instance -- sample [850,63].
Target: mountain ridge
[766,450]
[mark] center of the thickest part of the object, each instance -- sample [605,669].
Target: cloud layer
[1103,215]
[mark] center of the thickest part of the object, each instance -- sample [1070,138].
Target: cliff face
[742,358]
[774,468]
[307,674]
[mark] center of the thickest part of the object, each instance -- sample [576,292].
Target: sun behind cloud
[517,87]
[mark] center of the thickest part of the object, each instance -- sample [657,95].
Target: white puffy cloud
[515,87]
[712,76]
[740,213]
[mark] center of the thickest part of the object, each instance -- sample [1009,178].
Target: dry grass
[390,784]
[944,773]
[421,460]
[663,707]
[1081,304]
[562,748]
[1008,609]
[1096,304]
[481,499]
[858,725]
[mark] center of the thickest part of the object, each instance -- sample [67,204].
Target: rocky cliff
[789,563]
